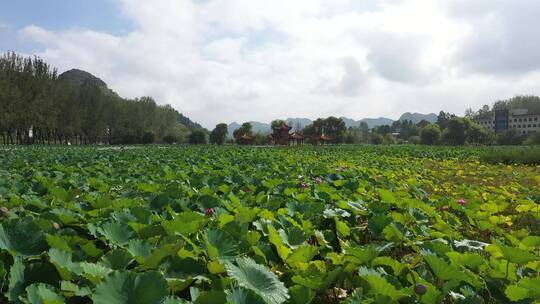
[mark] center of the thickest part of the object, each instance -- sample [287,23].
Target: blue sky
[99,15]
[239,60]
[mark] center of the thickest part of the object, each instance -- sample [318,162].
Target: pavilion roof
[247,137]
[325,138]
[296,135]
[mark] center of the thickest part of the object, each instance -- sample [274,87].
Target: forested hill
[38,106]
[191,125]
[76,78]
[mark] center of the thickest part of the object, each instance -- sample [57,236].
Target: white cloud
[503,37]
[238,60]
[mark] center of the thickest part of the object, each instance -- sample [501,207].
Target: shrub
[429,135]
[148,138]
[454,134]
[376,139]
[198,137]
[415,140]
[389,139]
[170,139]
[510,137]
[533,139]
[515,155]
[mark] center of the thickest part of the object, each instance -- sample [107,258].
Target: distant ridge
[264,128]
[418,117]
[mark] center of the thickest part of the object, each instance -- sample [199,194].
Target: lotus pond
[344,224]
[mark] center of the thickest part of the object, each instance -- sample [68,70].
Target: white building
[519,119]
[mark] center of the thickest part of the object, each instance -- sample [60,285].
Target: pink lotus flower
[462,202]
[209,211]
[303,185]
[317,180]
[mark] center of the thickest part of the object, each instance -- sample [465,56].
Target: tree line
[449,129]
[40,107]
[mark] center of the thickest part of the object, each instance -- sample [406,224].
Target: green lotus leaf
[71,289]
[386,195]
[258,279]
[302,254]
[362,255]
[94,272]
[293,236]
[470,260]
[123,287]
[63,262]
[60,193]
[117,233]
[43,294]
[117,259]
[526,288]
[441,269]
[139,249]
[25,273]
[185,223]
[22,236]
[378,222]
[379,286]
[516,255]
[220,245]
[516,293]
[531,241]
[301,294]
[243,296]
[175,300]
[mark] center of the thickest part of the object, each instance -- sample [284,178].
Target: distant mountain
[257,127]
[371,122]
[265,128]
[418,117]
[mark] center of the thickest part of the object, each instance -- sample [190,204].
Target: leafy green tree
[260,139]
[510,137]
[429,135]
[415,140]
[454,134]
[478,135]
[148,137]
[219,134]
[376,139]
[422,123]
[443,118]
[358,135]
[335,128]
[198,137]
[276,124]
[40,107]
[533,139]
[384,129]
[246,128]
[389,139]
[332,126]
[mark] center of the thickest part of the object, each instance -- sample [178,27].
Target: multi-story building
[522,120]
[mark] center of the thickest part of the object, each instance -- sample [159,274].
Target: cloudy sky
[237,60]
